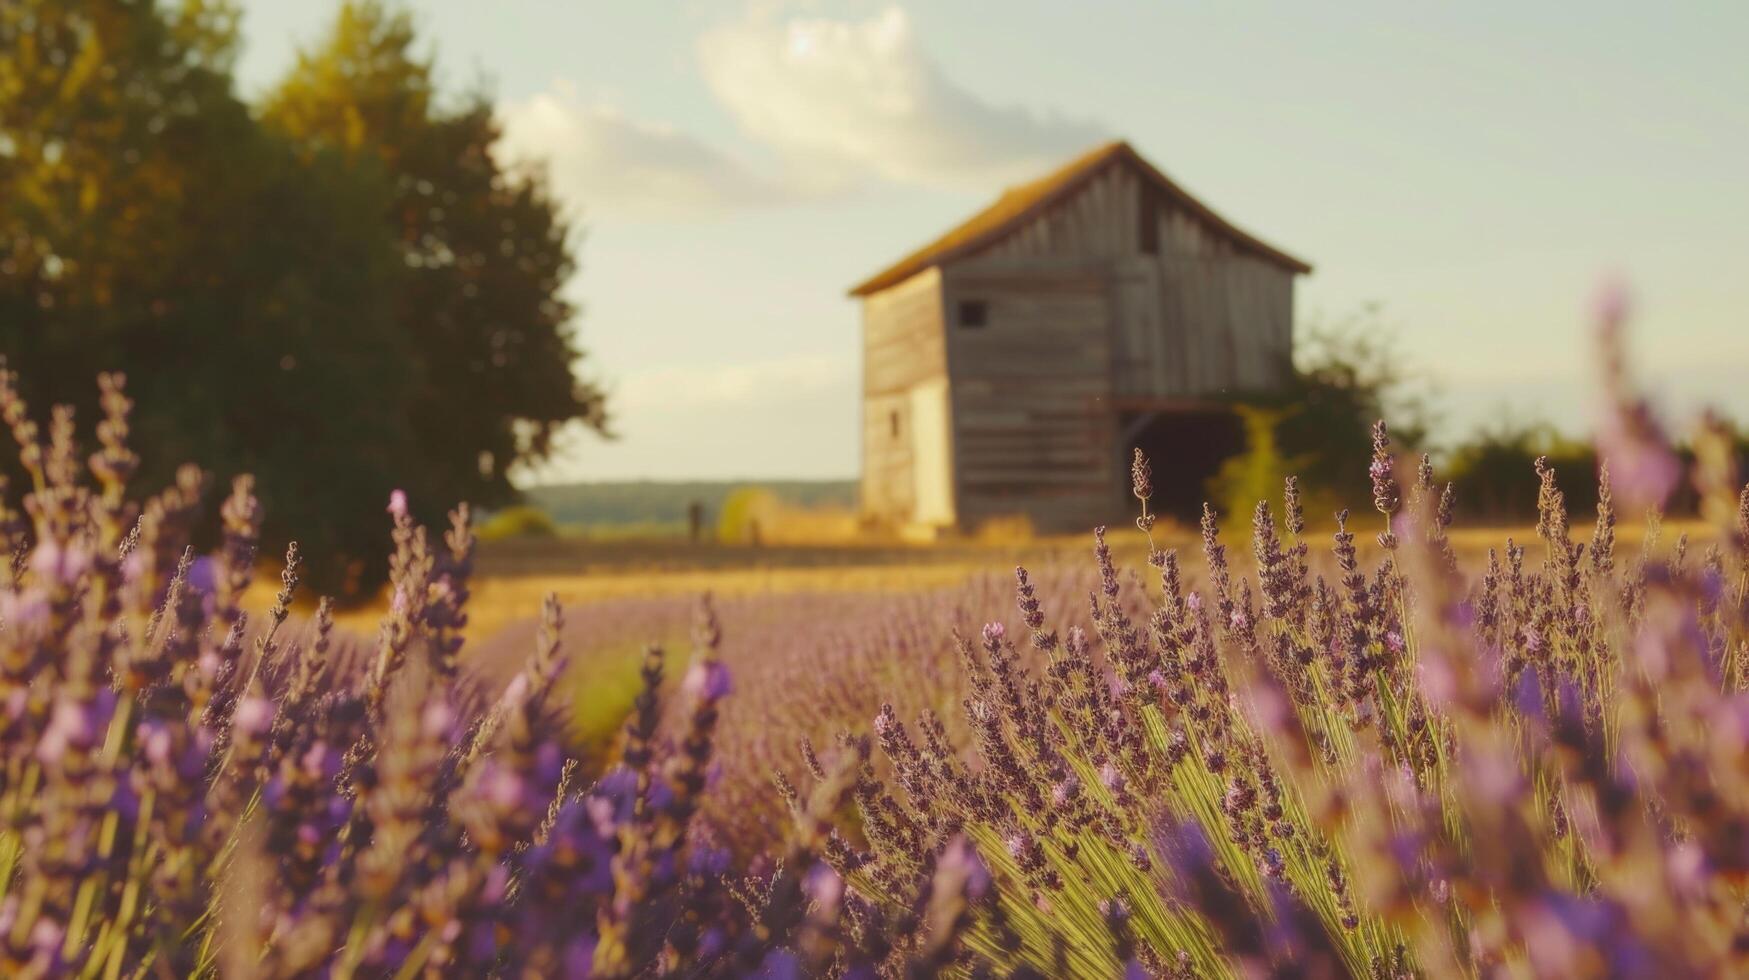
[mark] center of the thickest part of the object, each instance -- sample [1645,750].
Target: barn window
[893,423]
[973,313]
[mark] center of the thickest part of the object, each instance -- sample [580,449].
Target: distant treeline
[648,502]
[1350,374]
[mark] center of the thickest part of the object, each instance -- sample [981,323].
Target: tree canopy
[342,292]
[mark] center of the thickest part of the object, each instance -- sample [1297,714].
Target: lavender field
[830,490]
[1273,752]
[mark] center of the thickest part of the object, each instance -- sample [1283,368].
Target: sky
[1472,170]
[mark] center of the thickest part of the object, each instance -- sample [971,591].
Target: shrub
[1494,471]
[519,521]
[1253,474]
[1315,428]
[1348,374]
[743,512]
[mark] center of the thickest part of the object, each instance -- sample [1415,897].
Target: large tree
[149,223]
[342,310]
[485,252]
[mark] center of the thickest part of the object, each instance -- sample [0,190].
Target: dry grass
[513,576]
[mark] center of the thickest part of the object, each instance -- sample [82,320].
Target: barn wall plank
[1200,325]
[902,334]
[1032,392]
[1078,316]
[903,346]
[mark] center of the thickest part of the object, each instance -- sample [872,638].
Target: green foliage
[339,319]
[152,226]
[517,521]
[1318,427]
[738,523]
[484,253]
[1494,471]
[1497,463]
[1350,374]
[1254,474]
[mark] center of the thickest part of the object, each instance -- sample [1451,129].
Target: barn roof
[1020,203]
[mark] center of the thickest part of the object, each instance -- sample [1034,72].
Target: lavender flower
[1364,766]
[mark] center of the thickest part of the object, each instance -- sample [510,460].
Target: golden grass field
[512,577]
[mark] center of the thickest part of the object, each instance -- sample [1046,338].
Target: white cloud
[608,163]
[844,98]
[838,101]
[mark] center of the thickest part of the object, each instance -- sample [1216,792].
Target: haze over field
[1473,170]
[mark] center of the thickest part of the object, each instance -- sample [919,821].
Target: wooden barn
[1010,366]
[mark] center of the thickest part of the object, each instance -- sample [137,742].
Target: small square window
[973,313]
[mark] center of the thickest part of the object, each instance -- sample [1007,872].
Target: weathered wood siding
[1196,326]
[1101,220]
[1031,394]
[1193,315]
[902,347]
[1117,296]
[1201,316]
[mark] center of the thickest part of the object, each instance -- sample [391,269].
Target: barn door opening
[1186,447]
